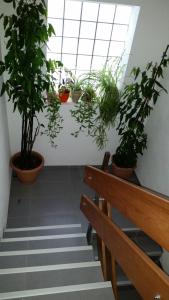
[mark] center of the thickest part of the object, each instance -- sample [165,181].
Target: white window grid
[90,55]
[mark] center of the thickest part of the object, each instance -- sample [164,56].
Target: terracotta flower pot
[124,173]
[63,96]
[27,176]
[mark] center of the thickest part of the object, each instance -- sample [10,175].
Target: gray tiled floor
[53,199]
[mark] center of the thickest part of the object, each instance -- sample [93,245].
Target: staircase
[50,262]
[151,248]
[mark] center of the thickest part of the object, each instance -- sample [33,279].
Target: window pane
[69,61]
[69,45]
[98,62]
[119,32]
[71,28]
[72,9]
[55,8]
[57,25]
[123,13]
[90,11]
[103,31]
[87,30]
[106,13]
[53,56]
[101,48]
[81,72]
[85,46]
[116,48]
[83,62]
[54,44]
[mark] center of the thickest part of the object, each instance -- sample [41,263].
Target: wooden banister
[150,212]
[148,278]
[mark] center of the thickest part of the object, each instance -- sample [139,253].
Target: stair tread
[26,228]
[39,257]
[147,244]
[42,231]
[41,242]
[44,278]
[70,290]
[30,269]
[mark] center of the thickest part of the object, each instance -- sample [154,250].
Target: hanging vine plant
[97,112]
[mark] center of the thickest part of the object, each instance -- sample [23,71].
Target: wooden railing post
[108,262]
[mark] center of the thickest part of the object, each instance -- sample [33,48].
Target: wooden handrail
[150,212]
[148,278]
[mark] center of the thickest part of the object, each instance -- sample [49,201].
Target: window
[88,34]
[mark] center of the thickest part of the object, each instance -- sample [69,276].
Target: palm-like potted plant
[136,104]
[29,77]
[76,87]
[98,114]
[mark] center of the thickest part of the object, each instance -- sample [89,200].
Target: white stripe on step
[42,227]
[45,251]
[55,290]
[43,237]
[50,268]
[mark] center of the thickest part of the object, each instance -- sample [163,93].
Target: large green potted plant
[28,78]
[98,114]
[136,104]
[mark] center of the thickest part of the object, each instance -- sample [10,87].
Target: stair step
[124,223]
[89,291]
[146,244]
[40,257]
[42,230]
[41,242]
[122,280]
[45,277]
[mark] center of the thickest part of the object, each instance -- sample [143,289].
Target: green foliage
[136,104]
[55,121]
[97,108]
[29,73]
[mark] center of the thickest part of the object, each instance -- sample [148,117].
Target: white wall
[150,39]
[5,173]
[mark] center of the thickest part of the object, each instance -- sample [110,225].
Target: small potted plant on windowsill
[29,79]
[136,103]
[76,88]
[63,92]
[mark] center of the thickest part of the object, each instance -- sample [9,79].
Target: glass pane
[57,25]
[106,13]
[53,56]
[103,31]
[101,48]
[123,13]
[119,32]
[116,48]
[90,11]
[69,61]
[98,62]
[87,30]
[71,28]
[81,72]
[85,46]
[55,8]
[70,45]
[72,9]
[54,45]
[83,62]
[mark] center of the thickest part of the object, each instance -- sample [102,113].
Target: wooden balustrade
[148,211]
